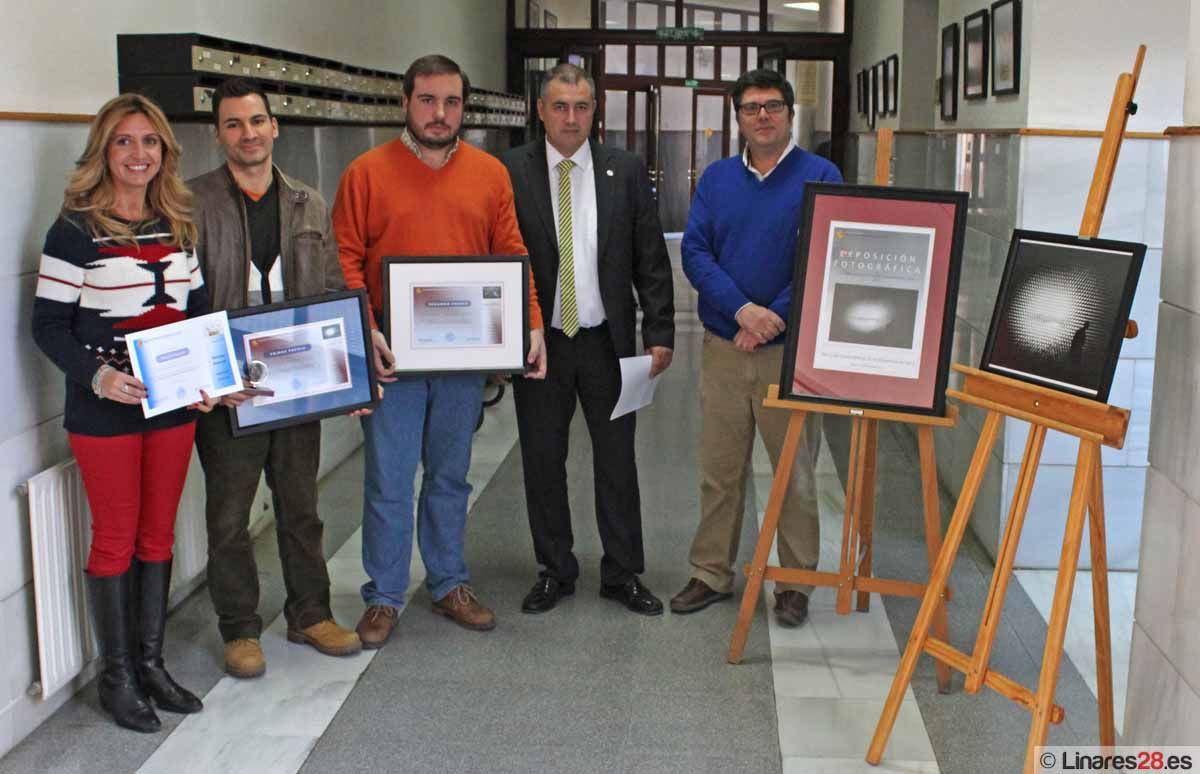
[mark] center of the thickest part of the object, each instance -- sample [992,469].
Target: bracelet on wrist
[96,377]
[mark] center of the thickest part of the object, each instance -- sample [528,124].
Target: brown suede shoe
[791,608]
[244,658]
[328,638]
[696,595]
[376,625]
[463,608]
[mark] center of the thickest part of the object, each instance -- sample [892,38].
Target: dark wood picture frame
[948,94]
[1006,49]
[975,55]
[892,69]
[882,208]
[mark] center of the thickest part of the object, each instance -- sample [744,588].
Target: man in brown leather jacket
[263,237]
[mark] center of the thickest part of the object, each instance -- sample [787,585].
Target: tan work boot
[376,625]
[464,608]
[244,658]
[328,638]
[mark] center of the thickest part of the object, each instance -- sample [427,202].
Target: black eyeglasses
[773,106]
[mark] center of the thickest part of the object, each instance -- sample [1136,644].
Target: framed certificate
[457,314]
[873,297]
[178,360]
[311,357]
[1061,311]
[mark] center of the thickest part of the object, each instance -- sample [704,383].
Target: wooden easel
[854,575]
[1093,424]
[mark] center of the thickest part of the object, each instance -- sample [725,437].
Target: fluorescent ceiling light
[809,6]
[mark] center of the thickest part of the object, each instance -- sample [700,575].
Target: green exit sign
[680,34]
[692,83]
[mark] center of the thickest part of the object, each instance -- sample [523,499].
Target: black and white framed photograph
[885,89]
[306,359]
[975,55]
[1061,311]
[457,313]
[551,20]
[949,82]
[892,70]
[533,14]
[873,111]
[1006,47]
[859,92]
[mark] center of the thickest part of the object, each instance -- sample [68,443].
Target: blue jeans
[431,420]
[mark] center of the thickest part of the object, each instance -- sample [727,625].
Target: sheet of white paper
[637,388]
[177,360]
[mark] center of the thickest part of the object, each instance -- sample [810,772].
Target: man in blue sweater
[738,251]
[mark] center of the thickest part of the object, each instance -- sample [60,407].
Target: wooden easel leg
[850,522]
[1005,558]
[1104,679]
[1060,609]
[933,541]
[937,581]
[766,535]
[866,516]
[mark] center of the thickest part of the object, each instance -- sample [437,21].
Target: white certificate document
[637,387]
[299,361]
[177,360]
[459,315]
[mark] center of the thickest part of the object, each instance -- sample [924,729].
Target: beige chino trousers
[733,385]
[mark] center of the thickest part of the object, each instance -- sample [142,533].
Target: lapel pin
[608,172]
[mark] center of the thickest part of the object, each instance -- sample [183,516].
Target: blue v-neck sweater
[740,242]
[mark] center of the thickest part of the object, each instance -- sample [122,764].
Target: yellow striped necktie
[566,251]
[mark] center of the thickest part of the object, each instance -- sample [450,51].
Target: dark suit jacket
[630,251]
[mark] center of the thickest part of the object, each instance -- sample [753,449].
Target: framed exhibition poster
[873,297]
[456,314]
[975,59]
[1061,311]
[307,358]
[893,78]
[1006,47]
[948,96]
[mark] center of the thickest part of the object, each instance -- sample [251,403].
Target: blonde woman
[120,258]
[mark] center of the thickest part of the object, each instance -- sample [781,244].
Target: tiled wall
[1039,183]
[1163,704]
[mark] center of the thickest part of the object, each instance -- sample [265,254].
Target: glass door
[710,131]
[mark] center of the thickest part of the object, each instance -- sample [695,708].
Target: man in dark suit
[591,225]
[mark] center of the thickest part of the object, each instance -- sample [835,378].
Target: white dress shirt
[583,232]
[761,177]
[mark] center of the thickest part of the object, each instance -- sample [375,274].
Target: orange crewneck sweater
[389,202]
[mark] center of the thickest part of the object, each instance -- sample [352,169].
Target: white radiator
[59,523]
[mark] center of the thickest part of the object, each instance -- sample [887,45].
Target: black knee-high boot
[120,695]
[153,585]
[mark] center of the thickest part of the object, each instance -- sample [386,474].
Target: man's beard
[433,143]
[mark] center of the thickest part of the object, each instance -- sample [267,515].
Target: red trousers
[133,485]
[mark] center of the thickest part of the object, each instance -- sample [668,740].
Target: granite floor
[590,687]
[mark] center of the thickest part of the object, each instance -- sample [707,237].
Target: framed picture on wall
[1006,47]
[874,291]
[949,85]
[874,106]
[551,20]
[858,92]
[975,59]
[885,89]
[533,14]
[1061,311]
[892,68]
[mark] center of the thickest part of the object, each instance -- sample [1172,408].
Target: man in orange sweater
[424,194]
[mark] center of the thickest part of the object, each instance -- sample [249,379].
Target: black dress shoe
[545,595]
[634,596]
[791,608]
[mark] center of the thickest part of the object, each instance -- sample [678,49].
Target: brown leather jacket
[306,242]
